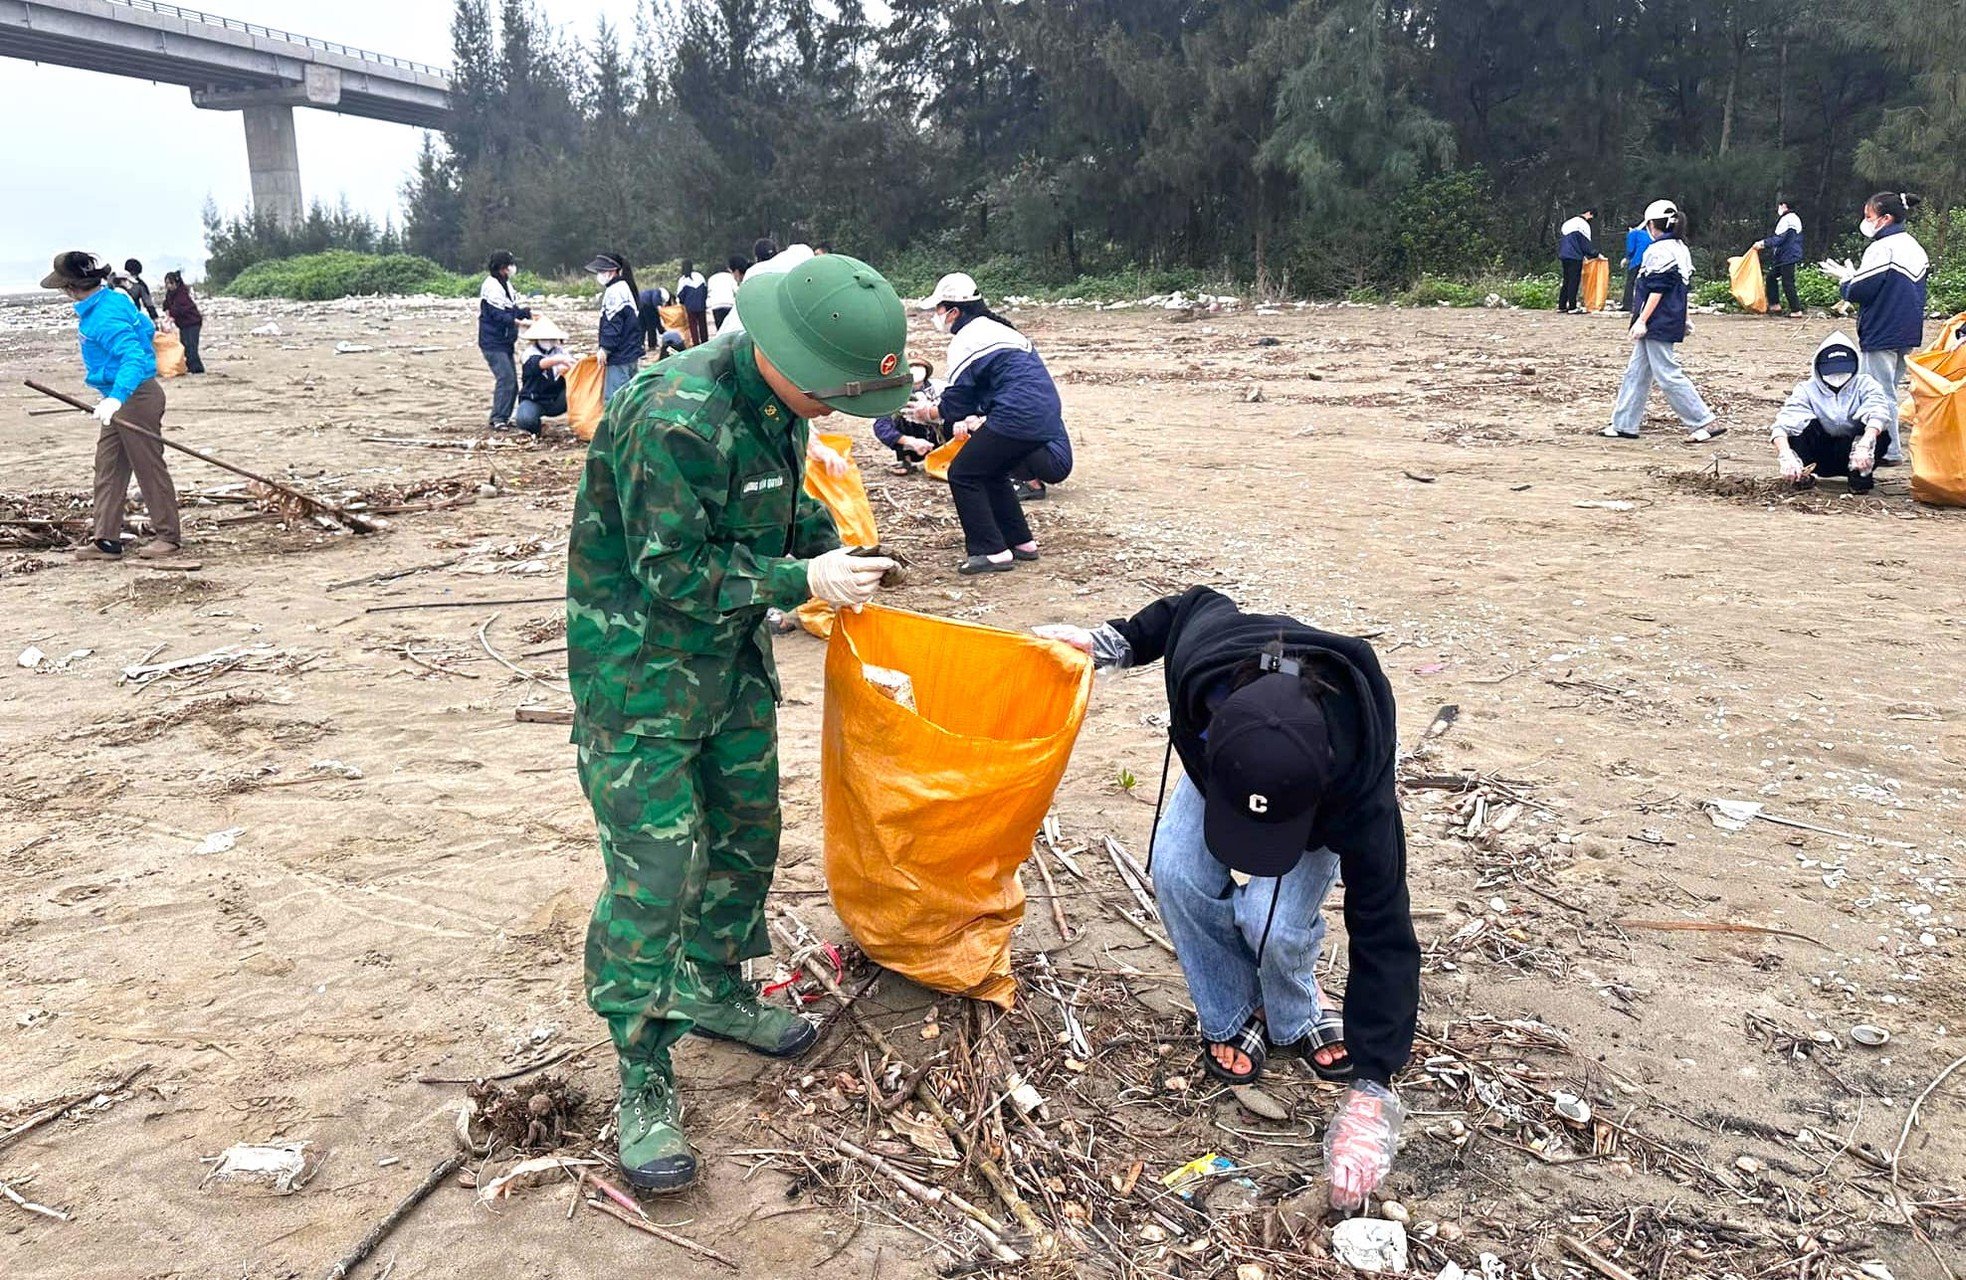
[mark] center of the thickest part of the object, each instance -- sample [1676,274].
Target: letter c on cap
[1259,804]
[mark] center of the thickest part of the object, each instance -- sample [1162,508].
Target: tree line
[1310,146]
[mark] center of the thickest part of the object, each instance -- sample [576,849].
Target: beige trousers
[120,454]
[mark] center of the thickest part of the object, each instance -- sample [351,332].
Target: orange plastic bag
[846,497]
[929,813]
[938,460]
[1597,283]
[584,401]
[1749,286]
[675,316]
[1938,416]
[170,354]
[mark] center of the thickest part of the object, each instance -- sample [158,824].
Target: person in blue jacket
[499,314]
[622,341]
[120,364]
[1784,250]
[1637,241]
[1665,277]
[1571,251]
[1888,287]
[1000,396]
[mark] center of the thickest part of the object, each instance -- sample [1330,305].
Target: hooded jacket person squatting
[691,524]
[1287,739]
[1836,421]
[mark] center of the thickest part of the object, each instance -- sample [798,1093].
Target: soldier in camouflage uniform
[692,521]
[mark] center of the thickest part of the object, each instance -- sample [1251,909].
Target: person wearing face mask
[622,343]
[911,441]
[1288,741]
[1000,396]
[542,378]
[1835,422]
[691,524]
[1888,287]
[120,364]
[1665,277]
[499,314]
[1784,250]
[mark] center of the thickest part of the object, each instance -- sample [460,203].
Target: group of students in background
[180,308]
[1842,419]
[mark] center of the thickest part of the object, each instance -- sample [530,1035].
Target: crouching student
[1287,739]
[1836,422]
[542,379]
[912,441]
[1665,277]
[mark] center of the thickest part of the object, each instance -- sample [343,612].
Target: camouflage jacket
[692,520]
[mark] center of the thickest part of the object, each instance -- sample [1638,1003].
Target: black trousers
[1831,454]
[1631,282]
[717,315]
[699,328]
[1782,278]
[1573,281]
[188,335]
[986,503]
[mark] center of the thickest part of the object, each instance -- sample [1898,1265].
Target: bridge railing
[274,33]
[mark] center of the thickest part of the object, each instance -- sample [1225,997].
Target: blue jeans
[1888,367]
[617,377]
[1217,926]
[505,383]
[1652,363]
[532,411]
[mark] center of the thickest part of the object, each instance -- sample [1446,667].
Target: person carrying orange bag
[1596,283]
[586,381]
[844,495]
[934,785]
[1288,739]
[1746,282]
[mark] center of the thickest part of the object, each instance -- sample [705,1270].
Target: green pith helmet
[834,326]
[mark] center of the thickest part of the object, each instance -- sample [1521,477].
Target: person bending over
[1836,422]
[1287,738]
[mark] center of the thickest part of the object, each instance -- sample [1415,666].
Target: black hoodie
[1203,638]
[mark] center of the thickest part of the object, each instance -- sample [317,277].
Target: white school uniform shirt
[723,291]
[776,265]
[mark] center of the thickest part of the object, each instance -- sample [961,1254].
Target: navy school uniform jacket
[1201,637]
[499,314]
[621,324]
[1667,270]
[541,386]
[996,372]
[1785,246]
[1576,244]
[1890,287]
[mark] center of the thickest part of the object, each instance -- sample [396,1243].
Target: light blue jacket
[117,351]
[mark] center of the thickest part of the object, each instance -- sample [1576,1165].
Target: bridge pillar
[273,155]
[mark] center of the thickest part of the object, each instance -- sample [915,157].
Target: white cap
[954,287]
[1660,210]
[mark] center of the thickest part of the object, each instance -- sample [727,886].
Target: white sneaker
[1700,435]
[1612,433]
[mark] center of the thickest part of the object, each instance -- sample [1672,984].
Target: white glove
[922,412]
[1360,1142]
[1792,468]
[831,462]
[1078,637]
[845,580]
[917,446]
[106,409]
[1637,330]
[1863,455]
[968,426]
[1838,271]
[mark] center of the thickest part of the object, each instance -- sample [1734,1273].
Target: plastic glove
[922,412]
[1863,455]
[106,409]
[968,426]
[829,460]
[1360,1142]
[1637,330]
[845,580]
[1838,271]
[1792,468]
[917,446]
[1078,637]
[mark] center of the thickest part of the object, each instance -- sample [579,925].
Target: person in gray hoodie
[1836,422]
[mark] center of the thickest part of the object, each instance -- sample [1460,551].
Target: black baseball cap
[1269,764]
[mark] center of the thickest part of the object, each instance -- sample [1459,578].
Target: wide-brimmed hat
[835,328]
[957,286]
[75,269]
[544,330]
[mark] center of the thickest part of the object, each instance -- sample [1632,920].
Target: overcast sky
[123,167]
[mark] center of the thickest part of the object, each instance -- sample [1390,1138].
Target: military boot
[649,1128]
[724,1006]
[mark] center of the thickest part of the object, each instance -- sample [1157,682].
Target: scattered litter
[30,657]
[267,330]
[1732,815]
[1190,1177]
[1574,1110]
[528,1173]
[220,841]
[351,348]
[1372,1245]
[1870,1034]
[284,1166]
[896,686]
[1607,504]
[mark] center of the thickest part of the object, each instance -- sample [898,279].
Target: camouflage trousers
[689,838]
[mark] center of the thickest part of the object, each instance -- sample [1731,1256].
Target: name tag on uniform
[762,484]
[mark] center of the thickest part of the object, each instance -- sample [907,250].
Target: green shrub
[1532,293]
[1365,295]
[342,273]
[1816,289]
[1714,293]
[1429,291]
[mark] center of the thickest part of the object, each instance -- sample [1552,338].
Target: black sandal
[1327,1031]
[1252,1042]
[983,564]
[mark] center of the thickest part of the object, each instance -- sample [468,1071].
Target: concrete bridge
[228,65]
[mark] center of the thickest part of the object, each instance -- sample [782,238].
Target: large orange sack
[585,382]
[171,362]
[938,460]
[846,498]
[1596,283]
[929,813]
[1938,414]
[1749,286]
